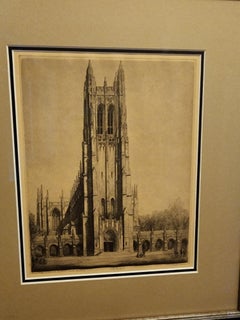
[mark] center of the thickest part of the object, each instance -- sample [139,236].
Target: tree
[147,223]
[179,218]
[158,220]
[163,223]
[178,215]
[161,219]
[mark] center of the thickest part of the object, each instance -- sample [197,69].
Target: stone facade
[108,213]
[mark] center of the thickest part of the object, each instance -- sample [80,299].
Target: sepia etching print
[108,158]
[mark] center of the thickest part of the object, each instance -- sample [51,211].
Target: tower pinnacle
[90,82]
[89,68]
[121,71]
[119,81]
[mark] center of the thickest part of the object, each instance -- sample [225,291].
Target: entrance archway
[110,241]
[159,244]
[39,251]
[54,250]
[67,250]
[171,244]
[145,245]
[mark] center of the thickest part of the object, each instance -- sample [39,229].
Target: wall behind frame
[210,25]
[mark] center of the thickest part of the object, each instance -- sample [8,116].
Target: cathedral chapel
[102,212]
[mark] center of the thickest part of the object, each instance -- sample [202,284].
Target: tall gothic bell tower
[108,205]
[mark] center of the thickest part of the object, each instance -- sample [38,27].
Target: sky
[161,109]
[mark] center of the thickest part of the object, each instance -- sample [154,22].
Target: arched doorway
[67,250]
[110,241]
[145,245]
[53,250]
[39,251]
[159,244]
[171,244]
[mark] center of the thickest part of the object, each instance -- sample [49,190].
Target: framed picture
[107,161]
[50,268]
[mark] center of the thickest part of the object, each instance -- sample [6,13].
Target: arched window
[100,117]
[112,207]
[55,218]
[110,119]
[54,250]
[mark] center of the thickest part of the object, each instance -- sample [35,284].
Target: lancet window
[55,219]
[110,119]
[100,119]
[112,207]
